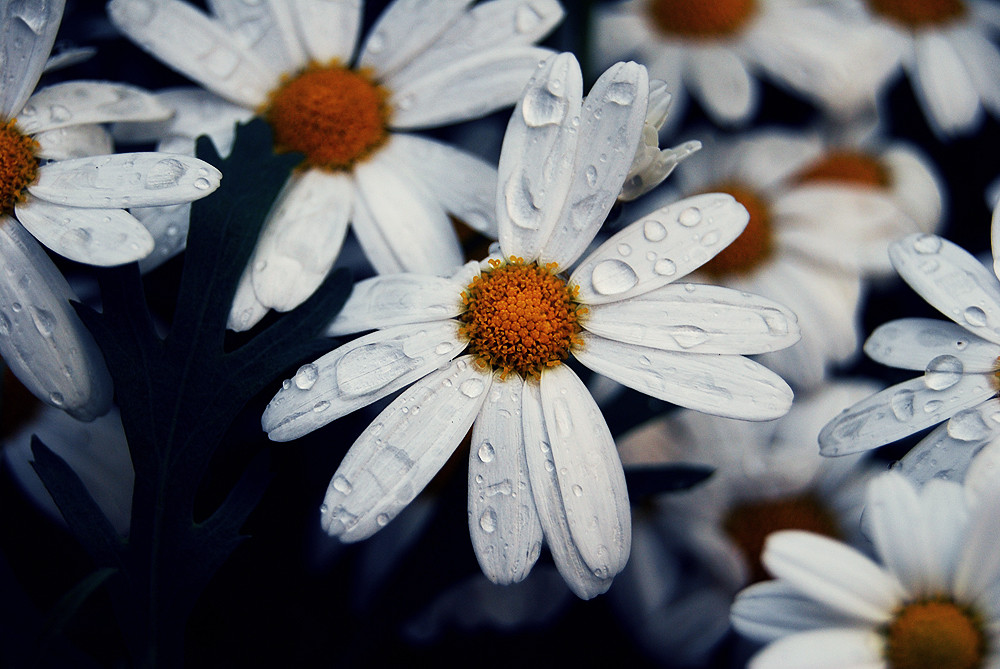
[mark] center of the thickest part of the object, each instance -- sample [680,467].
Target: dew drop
[621,93]
[927,244]
[591,175]
[689,217]
[901,404]
[376,43]
[342,485]
[711,239]
[975,316]
[202,183]
[443,348]
[689,336]
[45,322]
[933,406]
[654,231]
[611,277]
[929,266]
[306,376]
[16,307]
[472,387]
[665,267]
[382,519]
[539,107]
[577,490]
[286,384]
[942,372]
[487,452]
[321,406]
[56,399]
[549,466]
[624,249]
[967,425]
[488,521]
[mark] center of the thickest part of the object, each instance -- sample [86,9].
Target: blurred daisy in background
[932,599]
[422,65]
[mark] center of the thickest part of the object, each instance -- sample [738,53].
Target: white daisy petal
[357,374]
[373,240]
[900,411]
[536,160]
[696,317]
[247,310]
[266,29]
[942,84]
[835,648]
[581,579]
[329,30]
[977,574]
[660,248]
[916,186]
[995,237]
[125,180]
[77,102]
[398,454]
[169,226]
[301,238]
[404,30]
[729,386]
[503,523]
[187,40]
[74,142]
[945,509]
[948,451]
[720,80]
[952,281]
[103,237]
[27,33]
[914,343]
[833,574]
[610,131]
[44,342]
[395,299]
[773,609]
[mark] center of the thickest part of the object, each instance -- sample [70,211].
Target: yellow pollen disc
[700,19]
[334,115]
[749,524]
[919,13]
[754,245]
[935,634]
[18,165]
[520,317]
[851,167]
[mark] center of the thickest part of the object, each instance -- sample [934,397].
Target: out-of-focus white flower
[767,477]
[932,600]
[423,65]
[542,455]
[58,183]
[715,50]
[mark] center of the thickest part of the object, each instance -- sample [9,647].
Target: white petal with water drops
[27,32]
[79,102]
[125,180]
[947,452]
[952,281]
[103,237]
[695,317]
[406,29]
[395,299]
[403,449]
[730,386]
[913,343]
[900,411]
[536,161]
[664,246]
[357,374]
[266,29]
[610,131]
[503,523]
[329,30]
[74,142]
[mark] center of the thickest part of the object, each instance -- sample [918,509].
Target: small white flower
[542,457]
[932,601]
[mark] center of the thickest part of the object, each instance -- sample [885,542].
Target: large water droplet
[688,336]
[306,376]
[168,172]
[202,184]
[942,372]
[611,277]
[665,267]
[621,93]
[487,452]
[975,316]
[967,425]
[342,485]
[488,521]
[901,404]
[45,322]
[927,244]
[690,217]
[472,387]
[654,231]
[540,107]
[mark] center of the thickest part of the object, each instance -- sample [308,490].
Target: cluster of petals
[440,61]
[542,461]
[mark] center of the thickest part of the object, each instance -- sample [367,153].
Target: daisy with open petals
[58,186]
[424,64]
[542,460]
[932,600]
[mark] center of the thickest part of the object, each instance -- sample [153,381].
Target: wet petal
[329,30]
[721,82]
[75,141]
[660,248]
[914,343]
[773,609]
[947,452]
[942,85]
[27,32]
[395,299]
[404,30]
[79,102]
[266,29]
[406,445]
[357,374]
[857,648]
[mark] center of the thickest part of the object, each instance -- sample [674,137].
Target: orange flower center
[521,317]
[851,167]
[919,13]
[699,19]
[749,524]
[755,244]
[935,634]
[18,165]
[334,115]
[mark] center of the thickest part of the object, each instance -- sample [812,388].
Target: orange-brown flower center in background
[520,317]
[935,634]
[851,167]
[334,115]
[748,524]
[919,13]
[754,245]
[699,19]
[18,165]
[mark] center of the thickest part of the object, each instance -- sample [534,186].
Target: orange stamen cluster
[749,524]
[334,115]
[919,13]
[521,317]
[852,167]
[935,634]
[755,244]
[699,19]
[18,165]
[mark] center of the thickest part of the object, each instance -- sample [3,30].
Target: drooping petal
[836,648]
[404,30]
[395,299]
[914,343]
[729,386]
[80,102]
[773,609]
[721,82]
[266,29]
[247,310]
[942,85]
[74,142]
[660,248]
[27,32]
[329,30]
[503,523]
[357,374]
[125,180]
[396,456]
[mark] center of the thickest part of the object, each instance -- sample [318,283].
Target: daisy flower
[714,51]
[542,460]
[58,187]
[423,65]
[821,217]
[930,601]
[767,477]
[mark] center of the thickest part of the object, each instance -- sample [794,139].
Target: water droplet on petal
[933,406]
[591,175]
[901,404]
[967,425]
[306,376]
[488,521]
[541,107]
[621,93]
[654,231]
[444,348]
[578,491]
[382,519]
[16,307]
[975,316]
[665,267]
[45,322]
[942,372]
[342,485]
[927,244]
[690,217]
[321,406]
[611,277]
[323,508]
[624,249]
[202,184]
[56,399]
[472,387]
[487,452]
